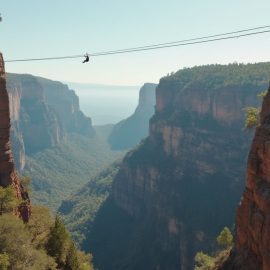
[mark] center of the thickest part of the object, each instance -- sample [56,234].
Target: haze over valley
[106,104]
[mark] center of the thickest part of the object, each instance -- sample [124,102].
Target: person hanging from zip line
[86,58]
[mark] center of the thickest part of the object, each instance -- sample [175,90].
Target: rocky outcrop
[35,125]
[252,247]
[18,148]
[66,103]
[174,193]
[42,112]
[132,130]
[8,175]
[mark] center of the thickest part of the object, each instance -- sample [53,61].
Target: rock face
[174,193]
[35,126]
[15,132]
[132,130]
[252,246]
[66,104]
[8,175]
[42,112]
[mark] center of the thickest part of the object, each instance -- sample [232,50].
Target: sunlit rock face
[252,247]
[65,103]
[42,112]
[8,175]
[34,125]
[175,192]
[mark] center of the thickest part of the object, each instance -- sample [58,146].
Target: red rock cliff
[8,175]
[252,248]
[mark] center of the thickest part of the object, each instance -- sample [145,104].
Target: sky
[36,28]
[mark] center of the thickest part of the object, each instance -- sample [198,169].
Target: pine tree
[72,262]
[225,238]
[58,242]
[4,261]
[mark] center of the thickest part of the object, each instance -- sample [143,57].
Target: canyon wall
[34,123]
[252,247]
[8,175]
[129,132]
[180,187]
[42,112]
[66,103]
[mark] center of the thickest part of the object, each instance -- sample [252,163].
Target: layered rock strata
[32,118]
[66,104]
[42,112]
[8,175]
[252,247]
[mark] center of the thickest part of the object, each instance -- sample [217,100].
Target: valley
[134,135]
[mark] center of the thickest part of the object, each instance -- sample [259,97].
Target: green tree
[39,225]
[4,261]
[204,261]
[8,200]
[62,248]
[26,183]
[253,114]
[85,260]
[225,238]
[262,94]
[252,117]
[58,242]
[15,241]
[72,262]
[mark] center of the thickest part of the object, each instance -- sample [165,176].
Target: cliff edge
[8,175]
[252,247]
[129,132]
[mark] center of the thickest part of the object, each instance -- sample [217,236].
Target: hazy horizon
[106,104]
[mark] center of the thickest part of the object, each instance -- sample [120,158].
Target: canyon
[173,192]
[53,142]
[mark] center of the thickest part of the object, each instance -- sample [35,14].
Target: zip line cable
[194,39]
[186,42]
[179,44]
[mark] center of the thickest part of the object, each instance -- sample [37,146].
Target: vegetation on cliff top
[220,76]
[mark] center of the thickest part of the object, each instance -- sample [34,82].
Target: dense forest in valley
[59,171]
[53,141]
[80,209]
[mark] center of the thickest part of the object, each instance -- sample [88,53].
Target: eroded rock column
[8,175]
